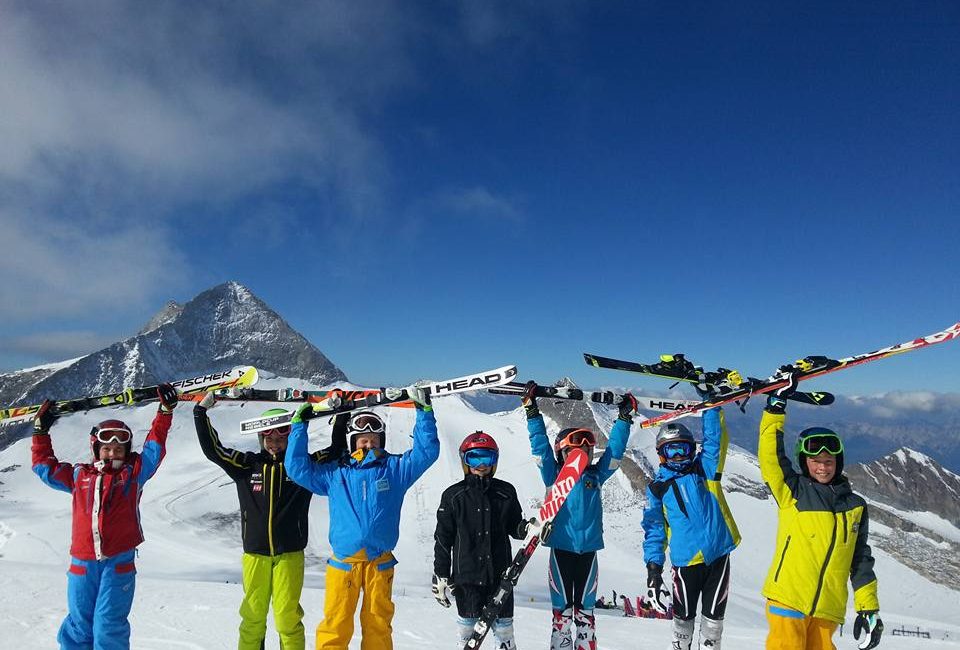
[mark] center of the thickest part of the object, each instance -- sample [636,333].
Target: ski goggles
[123,436]
[676,450]
[281,432]
[480,458]
[579,438]
[365,423]
[817,443]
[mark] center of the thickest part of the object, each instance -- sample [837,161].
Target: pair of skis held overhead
[722,386]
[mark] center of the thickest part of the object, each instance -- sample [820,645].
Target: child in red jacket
[106,521]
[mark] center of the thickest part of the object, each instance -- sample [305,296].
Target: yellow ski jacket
[821,536]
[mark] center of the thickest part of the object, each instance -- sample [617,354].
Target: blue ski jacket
[578,527]
[365,496]
[687,510]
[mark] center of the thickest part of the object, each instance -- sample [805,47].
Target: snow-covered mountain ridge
[222,327]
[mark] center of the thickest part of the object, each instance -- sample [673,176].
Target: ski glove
[777,400]
[420,397]
[44,418]
[628,408]
[534,527]
[207,401]
[440,586]
[868,622]
[304,413]
[168,397]
[529,400]
[655,592]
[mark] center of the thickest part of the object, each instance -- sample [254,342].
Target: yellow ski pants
[278,578]
[792,630]
[345,580]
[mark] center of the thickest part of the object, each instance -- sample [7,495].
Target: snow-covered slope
[189,567]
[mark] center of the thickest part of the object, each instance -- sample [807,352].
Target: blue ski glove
[628,408]
[777,400]
[44,418]
[529,400]
[868,622]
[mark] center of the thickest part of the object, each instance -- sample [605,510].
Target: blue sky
[426,189]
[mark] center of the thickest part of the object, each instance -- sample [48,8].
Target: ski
[334,403]
[238,377]
[659,404]
[287,395]
[678,368]
[567,478]
[813,366]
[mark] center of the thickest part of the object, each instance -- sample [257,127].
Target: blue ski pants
[99,598]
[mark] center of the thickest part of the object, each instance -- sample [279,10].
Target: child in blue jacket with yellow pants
[687,510]
[365,490]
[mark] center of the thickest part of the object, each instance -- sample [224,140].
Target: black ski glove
[44,418]
[628,408]
[529,400]
[168,397]
[868,622]
[654,576]
[777,400]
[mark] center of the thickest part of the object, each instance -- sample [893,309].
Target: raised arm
[617,440]
[155,446]
[715,443]
[775,466]
[231,461]
[51,471]
[426,446]
[300,467]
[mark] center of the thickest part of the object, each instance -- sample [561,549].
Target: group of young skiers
[821,539]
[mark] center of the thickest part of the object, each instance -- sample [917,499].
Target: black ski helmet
[814,432]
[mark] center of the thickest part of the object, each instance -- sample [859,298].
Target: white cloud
[475,202]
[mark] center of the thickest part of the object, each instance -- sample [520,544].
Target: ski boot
[586,630]
[560,633]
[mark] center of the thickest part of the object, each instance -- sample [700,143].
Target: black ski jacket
[273,509]
[475,520]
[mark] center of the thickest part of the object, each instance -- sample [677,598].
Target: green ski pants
[279,578]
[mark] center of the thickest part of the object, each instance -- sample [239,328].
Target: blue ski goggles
[477,458]
[676,450]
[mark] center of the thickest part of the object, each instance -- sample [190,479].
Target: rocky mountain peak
[169,312]
[909,480]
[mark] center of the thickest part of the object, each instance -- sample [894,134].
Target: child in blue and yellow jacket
[687,510]
[365,489]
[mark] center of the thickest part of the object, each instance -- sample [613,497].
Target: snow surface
[189,568]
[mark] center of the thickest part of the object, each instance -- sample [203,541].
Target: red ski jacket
[106,501]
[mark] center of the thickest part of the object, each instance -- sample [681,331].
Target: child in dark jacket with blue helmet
[577,532]
[686,498]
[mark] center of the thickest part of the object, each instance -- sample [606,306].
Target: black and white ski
[678,368]
[567,478]
[336,403]
[809,367]
[659,404]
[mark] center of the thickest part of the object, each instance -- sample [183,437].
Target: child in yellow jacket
[821,538]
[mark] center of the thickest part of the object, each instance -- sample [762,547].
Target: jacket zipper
[844,515]
[823,569]
[270,510]
[783,556]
